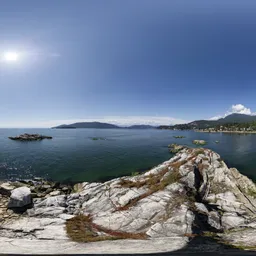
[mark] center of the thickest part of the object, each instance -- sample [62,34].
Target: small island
[199,142]
[30,137]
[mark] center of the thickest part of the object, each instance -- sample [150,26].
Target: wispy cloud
[118,120]
[237,108]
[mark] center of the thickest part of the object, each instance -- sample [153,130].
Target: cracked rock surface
[192,194]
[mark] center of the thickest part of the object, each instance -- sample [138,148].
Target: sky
[125,62]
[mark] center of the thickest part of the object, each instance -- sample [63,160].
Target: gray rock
[55,193]
[20,197]
[232,220]
[200,207]
[6,188]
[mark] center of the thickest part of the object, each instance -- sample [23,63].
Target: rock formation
[30,137]
[199,142]
[194,194]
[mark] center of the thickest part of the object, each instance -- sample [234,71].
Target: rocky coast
[192,195]
[30,137]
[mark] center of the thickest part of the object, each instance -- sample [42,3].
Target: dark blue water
[73,156]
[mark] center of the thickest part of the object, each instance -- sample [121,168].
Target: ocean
[73,156]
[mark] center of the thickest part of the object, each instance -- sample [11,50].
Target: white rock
[55,193]
[20,197]
[201,208]
[231,220]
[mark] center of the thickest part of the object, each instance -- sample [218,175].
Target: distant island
[239,123]
[100,125]
[30,137]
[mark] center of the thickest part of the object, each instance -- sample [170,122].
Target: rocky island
[30,137]
[194,194]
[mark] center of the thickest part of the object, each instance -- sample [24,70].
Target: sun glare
[11,56]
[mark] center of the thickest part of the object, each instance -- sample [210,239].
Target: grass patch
[251,192]
[209,234]
[199,151]
[199,142]
[147,181]
[172,177]
[217,188]
[239,246]
[82,229]
[245,248]
[154,183]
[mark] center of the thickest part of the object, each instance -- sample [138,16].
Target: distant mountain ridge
[100,125]
[204,124]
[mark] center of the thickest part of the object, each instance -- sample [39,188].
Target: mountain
[87,125]
[143,126]
[101,126]
[203,124]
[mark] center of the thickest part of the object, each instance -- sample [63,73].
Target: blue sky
[126,61]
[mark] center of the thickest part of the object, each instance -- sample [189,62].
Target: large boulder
[20,197]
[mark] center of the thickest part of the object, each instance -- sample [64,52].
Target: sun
[11,56]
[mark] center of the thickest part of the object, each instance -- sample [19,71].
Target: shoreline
[239,132]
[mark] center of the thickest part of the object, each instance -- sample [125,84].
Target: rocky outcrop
[30,137]
[199,142]
[175,148]
[194,194]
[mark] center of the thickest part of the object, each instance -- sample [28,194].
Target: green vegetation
[154,182]
[175,148]
[98,138]
[232,122]
[199,142]
[251,192]
[200,151]
[251,126]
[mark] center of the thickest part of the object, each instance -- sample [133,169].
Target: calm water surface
[73,156]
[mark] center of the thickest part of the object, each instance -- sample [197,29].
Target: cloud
[117,120]
[237,108]
[215,117]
